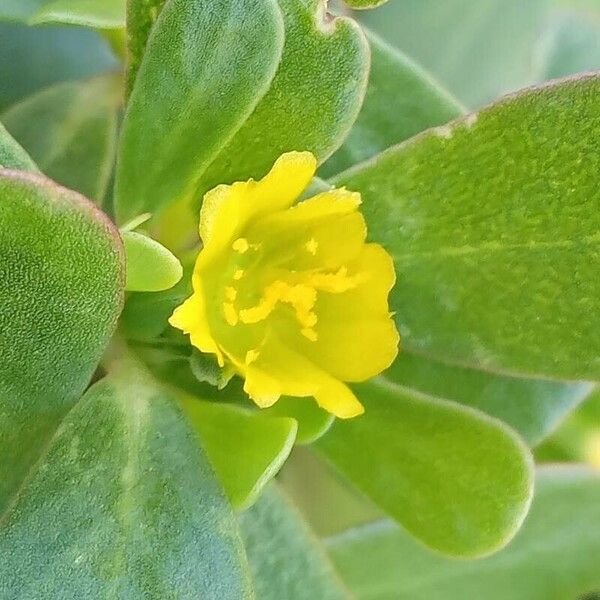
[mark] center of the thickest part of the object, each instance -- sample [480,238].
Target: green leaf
[125,503]
[61,287]
[197,52]
[32,58]
[493,224]
[313,421]
[12,156]
[534,407]
[107,14]
[312,102]
[455,478]
[555,555]
[246,449]
[150,266]
[141,16]
[466,44]
[364,4]
[287,561]
[401,101]
[70,130]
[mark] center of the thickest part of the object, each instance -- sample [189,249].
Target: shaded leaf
[70,130]
[246,449]
[401,101]
[61,285]
[493,224]
[465,44]
[287,561]
[458,480]
[92,13]
[173,127]
[125,504]
[534,407]
[32,58]
[150,266]
[555,555]
[12,156]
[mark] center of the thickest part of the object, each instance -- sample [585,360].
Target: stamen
[241,245]
[239,273]
[230,313]
[310,333]
[230,293]
[312,246]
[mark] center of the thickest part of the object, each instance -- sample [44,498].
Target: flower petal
[227,209]
[280,371]
[357,338]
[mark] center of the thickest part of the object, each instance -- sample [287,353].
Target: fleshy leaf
[534,407]
[141,17]
[70,130]
[456,479]
[150,266]
[401,101]
[13,156]
[493,222]
[286,559]
[61,287]
[312,102]
[364,4]
[555,555]
[173,127]
[108,14]
[246,449]
[126,504]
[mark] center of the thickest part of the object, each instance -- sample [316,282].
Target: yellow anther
[310,333]
[230,293]
[230,313]
[335,283]
[251,356]
[312,246]
[241,245]
[239,273]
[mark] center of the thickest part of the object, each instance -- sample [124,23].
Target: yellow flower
[291,297]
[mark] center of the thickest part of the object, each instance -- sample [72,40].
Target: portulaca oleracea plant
[281,318]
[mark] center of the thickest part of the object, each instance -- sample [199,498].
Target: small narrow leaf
[456,479]
[364,4]
[246,449]
[150,266]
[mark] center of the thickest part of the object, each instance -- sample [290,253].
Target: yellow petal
[280,371]
[325,231]
[227,209]
[190,318]
[357,338]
